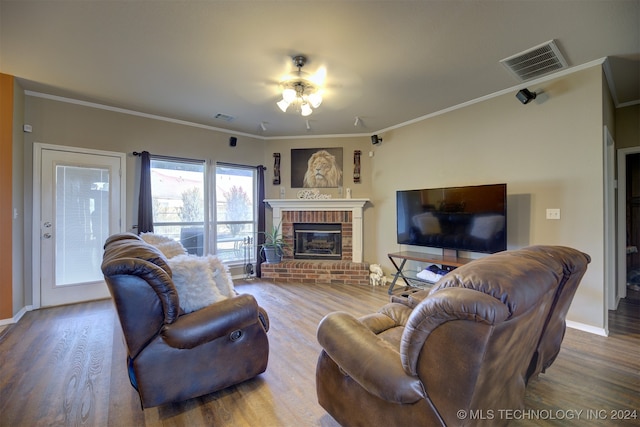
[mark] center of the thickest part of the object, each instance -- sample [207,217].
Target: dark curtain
[145,203]
[261,219]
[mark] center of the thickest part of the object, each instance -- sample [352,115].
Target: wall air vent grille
[535,62]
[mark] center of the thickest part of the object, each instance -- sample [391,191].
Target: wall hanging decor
[356,165]
[316,167]
[276,168]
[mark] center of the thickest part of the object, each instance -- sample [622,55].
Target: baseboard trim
[17,317]
[588,328]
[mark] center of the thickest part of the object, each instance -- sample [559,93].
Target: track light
[263,127]
[357,122]
[525,95]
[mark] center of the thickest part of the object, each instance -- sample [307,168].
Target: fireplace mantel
[317,204]
[356,206]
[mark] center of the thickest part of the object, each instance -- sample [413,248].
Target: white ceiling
[387,62]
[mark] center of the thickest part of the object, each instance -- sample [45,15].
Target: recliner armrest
[389,316]
[367,358]
[214,321]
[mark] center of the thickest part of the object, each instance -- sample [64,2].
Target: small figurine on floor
[377,277]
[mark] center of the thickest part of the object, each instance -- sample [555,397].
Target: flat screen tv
[471,218]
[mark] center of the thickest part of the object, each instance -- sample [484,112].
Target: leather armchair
[174,356]
[573,265]
[468,345]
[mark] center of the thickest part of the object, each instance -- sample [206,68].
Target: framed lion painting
[316,167]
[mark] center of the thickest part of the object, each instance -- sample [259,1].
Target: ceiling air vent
[225,117]
[535,62]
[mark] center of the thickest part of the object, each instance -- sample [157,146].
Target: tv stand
[449,260]
[450,253]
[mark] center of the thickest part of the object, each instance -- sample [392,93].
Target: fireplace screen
[317,241]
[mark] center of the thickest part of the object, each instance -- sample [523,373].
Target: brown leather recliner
[461,356]
[174,356]
[573,264]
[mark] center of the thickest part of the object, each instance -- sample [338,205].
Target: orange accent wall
[6,205]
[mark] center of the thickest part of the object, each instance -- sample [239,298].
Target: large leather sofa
[458,354]
[173,356]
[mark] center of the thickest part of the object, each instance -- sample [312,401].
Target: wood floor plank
[60,368]
[66,366]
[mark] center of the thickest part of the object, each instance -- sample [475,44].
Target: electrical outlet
[553,213]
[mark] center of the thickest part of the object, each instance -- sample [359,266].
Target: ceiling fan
[301,89]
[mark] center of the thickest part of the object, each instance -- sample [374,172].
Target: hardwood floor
[65,366]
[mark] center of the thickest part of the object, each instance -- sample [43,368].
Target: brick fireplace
[345,212]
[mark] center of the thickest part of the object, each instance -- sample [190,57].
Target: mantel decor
[312,194]
[276,168]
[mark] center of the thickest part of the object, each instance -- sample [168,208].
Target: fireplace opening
[317,241]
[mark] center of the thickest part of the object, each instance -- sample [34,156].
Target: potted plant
[273,247]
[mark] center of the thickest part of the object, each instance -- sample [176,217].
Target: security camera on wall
[375,139]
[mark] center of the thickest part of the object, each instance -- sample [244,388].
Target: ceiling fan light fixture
[283,105]
[305,109]
[315,99]
[289,95]
[300,91]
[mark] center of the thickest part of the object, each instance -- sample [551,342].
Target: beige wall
[548,152]
[628,127]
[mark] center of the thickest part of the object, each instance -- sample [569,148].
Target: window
[235,211]
[178,189]
[181,192]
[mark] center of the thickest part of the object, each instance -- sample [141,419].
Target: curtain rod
[135,153]
[174,158]
[238,165]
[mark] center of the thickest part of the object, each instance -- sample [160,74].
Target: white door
[80,206]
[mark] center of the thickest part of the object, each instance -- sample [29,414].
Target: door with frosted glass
[80,207]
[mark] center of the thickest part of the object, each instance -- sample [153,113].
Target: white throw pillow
[221,276]
[169,247]
[200,281]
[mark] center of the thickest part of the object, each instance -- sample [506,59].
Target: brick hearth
[314,272]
